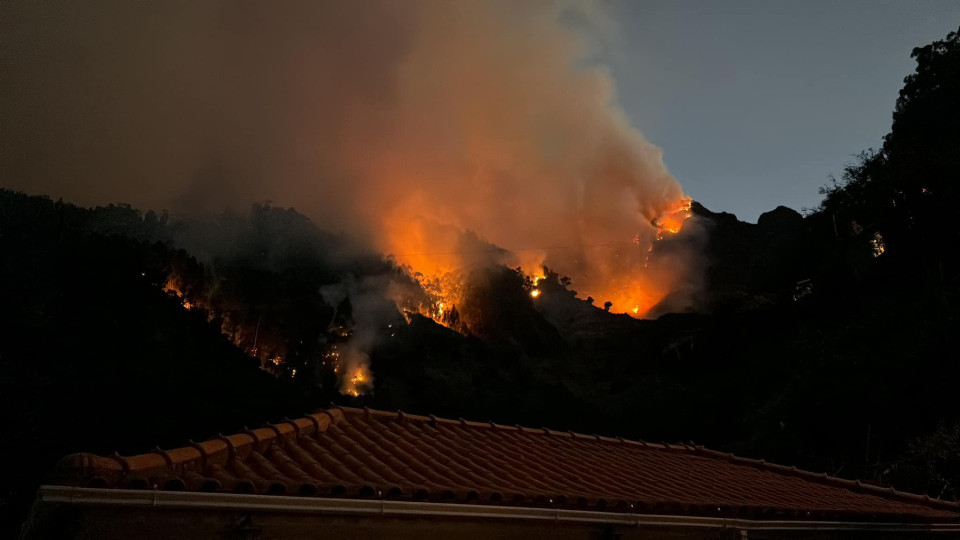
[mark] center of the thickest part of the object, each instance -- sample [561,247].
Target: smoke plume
[402,124]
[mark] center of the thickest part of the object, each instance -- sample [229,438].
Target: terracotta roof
[361,453]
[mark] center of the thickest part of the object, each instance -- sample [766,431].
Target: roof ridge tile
[166,457]
[124,465]
[201,450]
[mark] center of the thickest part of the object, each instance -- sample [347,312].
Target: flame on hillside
[672,220]
[174,288]
[439,256]
[358,382]
[456,136]
[355,376]
[620,273]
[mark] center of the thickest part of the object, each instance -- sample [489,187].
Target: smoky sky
[396,122]
[192,104]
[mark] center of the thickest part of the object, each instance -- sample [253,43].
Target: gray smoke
[403,124]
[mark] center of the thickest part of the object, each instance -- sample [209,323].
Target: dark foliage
[96,357]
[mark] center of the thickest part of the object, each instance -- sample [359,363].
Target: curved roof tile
[364,453]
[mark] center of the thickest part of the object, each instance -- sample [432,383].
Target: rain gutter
[407,509]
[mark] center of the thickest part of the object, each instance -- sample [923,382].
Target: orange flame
[672,221]
[436,257]
[173,287]
[637,291]
[358,383]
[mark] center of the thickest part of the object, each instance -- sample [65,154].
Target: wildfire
[877,245]
[672,221]
[636,290]
[173,287]
[358,383]
[535,279]
[441,294]
[622,273]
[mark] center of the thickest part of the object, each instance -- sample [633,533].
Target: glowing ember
[358,384]
[877,245]
[535,293]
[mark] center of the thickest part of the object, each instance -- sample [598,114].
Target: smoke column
[403,124]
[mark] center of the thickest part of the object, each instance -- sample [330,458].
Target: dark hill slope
[94,355]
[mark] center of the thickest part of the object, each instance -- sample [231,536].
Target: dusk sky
[755,103]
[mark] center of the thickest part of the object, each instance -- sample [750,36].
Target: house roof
[362,453]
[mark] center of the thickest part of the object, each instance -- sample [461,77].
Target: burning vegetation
[673,219]
[634,280]
[326,326]
[174,288]
[327,334]
[456,179]
[456,182]
[532,164]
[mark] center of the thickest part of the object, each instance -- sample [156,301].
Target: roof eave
[49,494]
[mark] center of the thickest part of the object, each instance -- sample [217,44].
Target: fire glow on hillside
[479,136]
[672,220]
[174,288]
[635,282]
[625,279]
